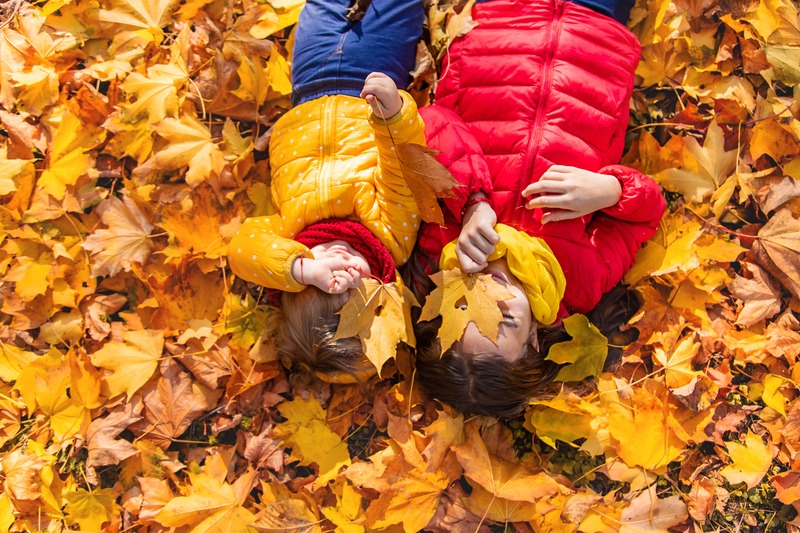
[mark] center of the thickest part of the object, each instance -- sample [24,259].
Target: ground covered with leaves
[139,389]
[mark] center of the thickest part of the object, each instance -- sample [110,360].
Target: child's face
[341,250]
[517,328]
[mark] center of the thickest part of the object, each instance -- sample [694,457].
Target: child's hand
[569,192]
[336,272]
[477,239]
[381,93]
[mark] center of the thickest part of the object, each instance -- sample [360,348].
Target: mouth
[499,276]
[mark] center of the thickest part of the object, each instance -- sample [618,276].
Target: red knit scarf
[356,235]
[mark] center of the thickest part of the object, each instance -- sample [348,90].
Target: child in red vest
[344,209]
[531,113]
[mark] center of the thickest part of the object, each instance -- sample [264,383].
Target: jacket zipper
[536,130]
[325,170]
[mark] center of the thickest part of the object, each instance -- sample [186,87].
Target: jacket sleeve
[259,254]
[619,231]
[399,213]
[459,152]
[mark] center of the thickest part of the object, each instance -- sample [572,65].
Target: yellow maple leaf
[131,361]
[704,168]
[32,275]
[10,169]
[347,511]
[409,495]
[91,509]
[253,79]
[126,241]
[751,461]
[411,501]
[68,158]
[145,18]
[190,145]
[566,417]
[39,88]
[211,505]
[311,439]
[275,16]
[280,80]
[677,361]
[461,299]
[485,504]
[499,476]
[43,386]
[156,94]
[281,510]
[584,355]
[640,425]
[380,315]
[13,360]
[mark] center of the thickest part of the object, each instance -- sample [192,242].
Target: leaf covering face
[481,294]
[380,315]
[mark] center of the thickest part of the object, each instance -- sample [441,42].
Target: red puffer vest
[543,82]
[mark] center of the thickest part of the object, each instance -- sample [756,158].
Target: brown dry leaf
[446,431]
[170,405]
[460,299]
[380,315]
[760,298]
[426,178]
[779,239]
[101,436]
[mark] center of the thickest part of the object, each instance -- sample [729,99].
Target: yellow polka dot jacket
[331,157]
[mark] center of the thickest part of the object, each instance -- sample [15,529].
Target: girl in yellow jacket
[344,209]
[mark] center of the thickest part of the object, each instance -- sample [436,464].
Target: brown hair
[306,330]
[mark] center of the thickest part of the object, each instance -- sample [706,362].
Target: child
[543,88]
[343,207]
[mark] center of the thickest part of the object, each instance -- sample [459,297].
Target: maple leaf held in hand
[380,315]
[426,178]
[461,299]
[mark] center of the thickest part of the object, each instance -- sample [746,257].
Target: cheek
[364,266]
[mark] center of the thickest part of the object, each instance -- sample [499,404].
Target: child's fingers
[554,201]
[490,235]
[544,186]
[559,214]
[471,258]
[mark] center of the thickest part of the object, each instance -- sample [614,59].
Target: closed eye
[509,320]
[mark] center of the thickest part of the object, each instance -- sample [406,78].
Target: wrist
[300,270]
[614,190]
[475,203]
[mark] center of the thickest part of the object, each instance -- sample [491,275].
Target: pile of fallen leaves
[139,389]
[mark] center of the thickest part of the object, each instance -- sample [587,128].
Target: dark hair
[306,329]
[486,384]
